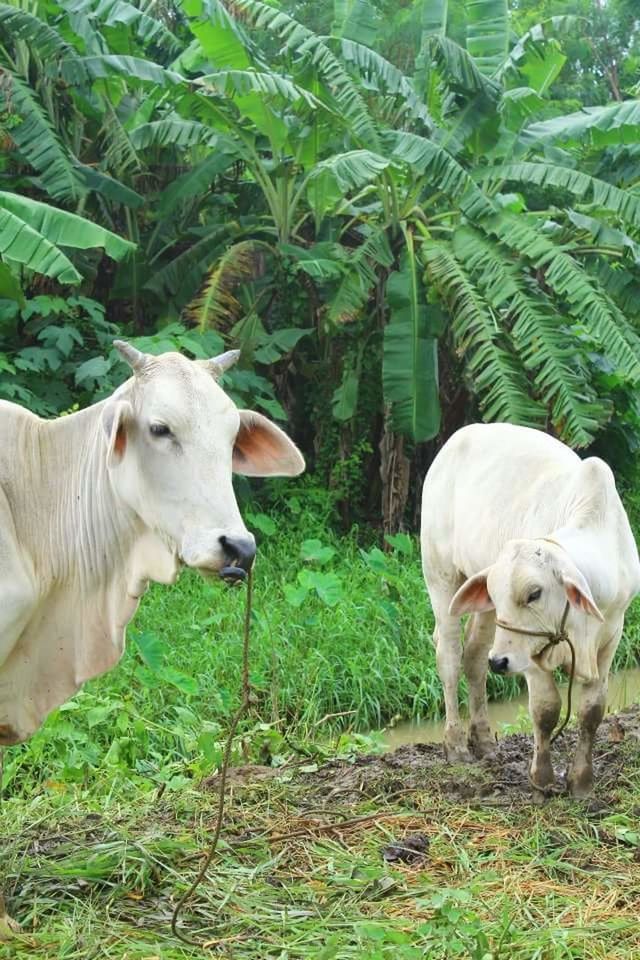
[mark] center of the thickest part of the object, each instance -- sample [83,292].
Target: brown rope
[553,637]
[242,709]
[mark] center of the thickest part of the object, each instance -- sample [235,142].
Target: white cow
[516,528]
[95,505]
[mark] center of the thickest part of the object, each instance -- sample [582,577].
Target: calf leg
[478,642]
[544,707]
[449,660]
[590,714]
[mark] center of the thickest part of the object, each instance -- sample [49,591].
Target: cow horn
[219,364]
[131,355]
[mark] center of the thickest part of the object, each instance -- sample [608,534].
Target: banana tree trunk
[395,469]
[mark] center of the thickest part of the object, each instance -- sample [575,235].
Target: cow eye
[534,595]
[160,430]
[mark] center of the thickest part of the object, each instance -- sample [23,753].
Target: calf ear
[473,596]
[116,417]
[578,593]
[263,450]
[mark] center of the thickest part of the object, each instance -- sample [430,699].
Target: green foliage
[331,200]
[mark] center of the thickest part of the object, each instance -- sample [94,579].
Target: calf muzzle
[499,664]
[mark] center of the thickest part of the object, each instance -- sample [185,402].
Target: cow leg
[590,714]
[8,927]
[478,642]
[544,707]
[449,660]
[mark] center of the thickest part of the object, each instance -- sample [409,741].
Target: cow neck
[90,531]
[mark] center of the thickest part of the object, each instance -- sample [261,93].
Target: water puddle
[624,690]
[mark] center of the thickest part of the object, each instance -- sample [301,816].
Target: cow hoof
[8,928]
[542,777]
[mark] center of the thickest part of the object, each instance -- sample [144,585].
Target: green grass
[104,816]
[98,877]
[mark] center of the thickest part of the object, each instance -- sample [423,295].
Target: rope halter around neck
[553,638]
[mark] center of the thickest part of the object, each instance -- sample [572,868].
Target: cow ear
[116,419]
[473,596]
[263,450]
[579,594]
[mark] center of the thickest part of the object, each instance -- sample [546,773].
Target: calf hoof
[458,755]
[580,783]
[455,744]
[483,746]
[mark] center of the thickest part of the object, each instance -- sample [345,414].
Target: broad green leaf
[261,522]
[352,170]
[241,83]
[345,398]
[379,72]
[623,203]
[150,648]
[10,288]
[178,679]
[295,595]
[198,180]
[80,70]
[615,123]
[30,232]
[401,542]
[109,188]
[314,551]
[38,143]
[328,586]
[434,18]
[92,371]
[112,13]
[487,33]
[220,36]
[542,66]
[173,132]
[356,20]
[410,354]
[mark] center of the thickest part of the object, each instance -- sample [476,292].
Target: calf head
[174,438]
[528,586]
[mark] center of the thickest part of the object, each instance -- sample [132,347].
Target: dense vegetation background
[407,215]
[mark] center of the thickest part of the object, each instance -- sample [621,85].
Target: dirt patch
[423,767]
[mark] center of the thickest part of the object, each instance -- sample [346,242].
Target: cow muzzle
[239,554]
[219,552]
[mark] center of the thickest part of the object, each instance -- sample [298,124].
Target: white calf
[515,527]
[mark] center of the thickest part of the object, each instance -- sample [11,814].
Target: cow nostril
[498,664]
[239,551]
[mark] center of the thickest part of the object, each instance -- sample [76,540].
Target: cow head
[528,586]
[174,438]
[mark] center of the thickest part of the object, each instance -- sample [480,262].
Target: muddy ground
[422,767]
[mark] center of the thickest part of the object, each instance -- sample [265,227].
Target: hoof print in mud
[412,849]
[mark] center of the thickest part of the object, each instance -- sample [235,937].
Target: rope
[242,709]
[553,637]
